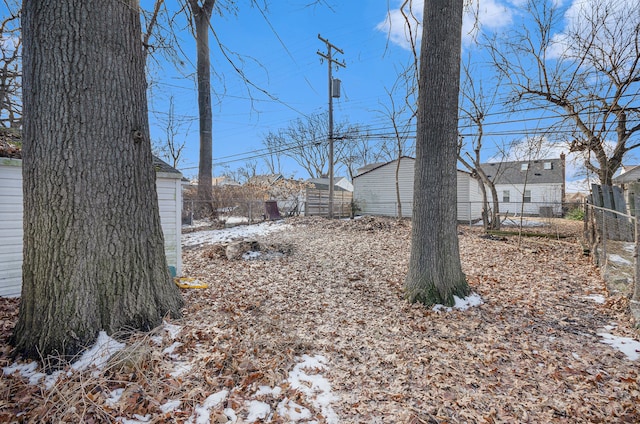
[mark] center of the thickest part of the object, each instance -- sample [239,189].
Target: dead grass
[530,353]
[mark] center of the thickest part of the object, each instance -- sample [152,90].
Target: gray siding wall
[169,188]
[169,200]
[375,191]
[10,227]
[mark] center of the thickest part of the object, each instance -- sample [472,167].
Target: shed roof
[631,175]
[323,183]
[161,166]
[372,167]
[543,171]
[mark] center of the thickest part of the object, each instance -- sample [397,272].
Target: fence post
[636,251]
[604,238]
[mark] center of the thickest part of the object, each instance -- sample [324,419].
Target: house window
[548,165]
[524,166]
[505,196]
[527,196]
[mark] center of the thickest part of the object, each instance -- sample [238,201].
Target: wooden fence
[317,203]
[615,226]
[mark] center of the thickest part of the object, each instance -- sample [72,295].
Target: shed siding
[169,190]
[375,191]
[170,206]
[10,227]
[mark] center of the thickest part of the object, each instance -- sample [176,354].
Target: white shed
[10,227]
[375,190]
[169,188]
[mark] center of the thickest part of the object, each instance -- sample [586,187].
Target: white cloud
[481,15]
[610,14]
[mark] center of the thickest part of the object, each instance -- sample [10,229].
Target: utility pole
[330,62]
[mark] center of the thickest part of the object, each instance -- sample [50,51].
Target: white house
[169,188]
[535,187]
[375,190]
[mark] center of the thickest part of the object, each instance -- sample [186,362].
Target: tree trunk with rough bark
[93,246]
[201,16]
[435,273]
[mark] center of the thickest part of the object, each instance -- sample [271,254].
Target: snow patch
[470,301]
[626,345]
[96,357]
[172,330]
[99,354]
[293,411]
[257,411]
[114,397]
[230,234]
[169,350]
[203,412]
[170,406]
[597,298]
[180,369]
[316,388]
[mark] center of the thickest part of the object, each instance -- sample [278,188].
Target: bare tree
[359,151]
[435,272]
[401,113]
[10,68]
[474,107]
[170,147]
[589,75]
[94,255]
[306,142]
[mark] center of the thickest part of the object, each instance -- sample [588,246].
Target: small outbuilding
[374,190]
[169,189]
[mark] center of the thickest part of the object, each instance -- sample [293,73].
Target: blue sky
[277,51]
[279,54]
[289,68]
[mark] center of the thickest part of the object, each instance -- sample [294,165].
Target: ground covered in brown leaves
[530,353]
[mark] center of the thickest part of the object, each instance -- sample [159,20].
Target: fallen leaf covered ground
[530,353]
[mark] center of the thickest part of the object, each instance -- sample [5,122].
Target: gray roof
[161,166]
[513,172]
[369,167]
[323,183]
[373,166]
[632,175]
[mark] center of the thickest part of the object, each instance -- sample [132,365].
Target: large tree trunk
[435,273]
[202,18]
[93,246]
